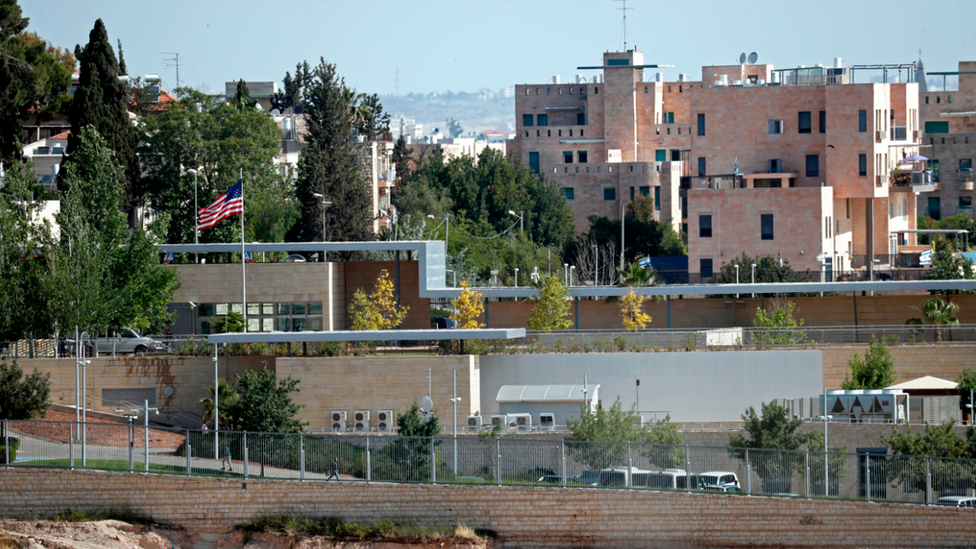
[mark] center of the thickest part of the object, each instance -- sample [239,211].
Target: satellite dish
[753,57]
[426,405]
[742,58]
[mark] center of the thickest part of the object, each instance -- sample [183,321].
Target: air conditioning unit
[547,419]
[384,420]
[523,421]
[474,423]
[881,135]
[499,420]
[361,418]
[339,420]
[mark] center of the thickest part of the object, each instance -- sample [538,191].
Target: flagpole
[243,254]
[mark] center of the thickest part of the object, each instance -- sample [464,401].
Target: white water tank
[838,63]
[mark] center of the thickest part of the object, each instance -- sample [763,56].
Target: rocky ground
[99,434]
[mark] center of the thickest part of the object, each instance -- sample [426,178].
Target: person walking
[226,461]
[334,470]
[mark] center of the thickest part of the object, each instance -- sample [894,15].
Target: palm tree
[634,276]
[227,395]
[940,312]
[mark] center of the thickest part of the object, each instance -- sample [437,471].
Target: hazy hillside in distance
[474,113]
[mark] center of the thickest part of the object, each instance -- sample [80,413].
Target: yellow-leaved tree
[467,308]
[632,310]
[378,310]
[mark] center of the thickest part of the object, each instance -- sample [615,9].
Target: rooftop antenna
[176,63]
[624,9]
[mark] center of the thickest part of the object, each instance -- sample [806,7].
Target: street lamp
[872,264]
[325,204]
[825,419]
[566,274]
[516,276]
[572,269]
[454,402]
[447,229]
[736,277]
[753,277]
[521,219]
[196,214]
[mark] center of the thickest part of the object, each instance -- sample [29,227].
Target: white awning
[545,393]
[926,382]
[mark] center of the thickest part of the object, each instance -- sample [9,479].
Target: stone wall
[911,361]
[523,516]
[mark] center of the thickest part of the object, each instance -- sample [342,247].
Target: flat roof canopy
[367,335]
[545,393]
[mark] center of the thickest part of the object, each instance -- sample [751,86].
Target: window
[937,127]
[776,165]
[705,268]
[950,99]
[935,208]
[526,120]
[568,193]
[862,165]
[548,91]
[567,157]
[657,198]
[705,226]
[813,165]
[823,121]
[596,90]
[645,191]
[775,127]
[965,164]
[934,166]
[766,226]
[701,165]
[827,227]
[560,91]
[548,133]
[804,124]
[581,157]
[862,120]
[580,119]
[669,117]
[701,123]
[609,193]
[534,161]
[661,155]
[675,155]
[966,203]
[542,119]
[926,100]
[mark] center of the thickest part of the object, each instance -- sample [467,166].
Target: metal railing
[475,460]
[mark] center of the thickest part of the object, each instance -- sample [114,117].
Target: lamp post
[196,214]
[825,419]
[566,274]
[454,402]
[325,204]
[572,269]
[873,262]
[753,277]
[521,219]
[596,275]
[216,408]
[736,277]
[454,274]
[516,276]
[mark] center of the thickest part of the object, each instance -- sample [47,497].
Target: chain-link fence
[483,460]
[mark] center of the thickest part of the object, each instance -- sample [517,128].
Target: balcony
[901,133]
[918,181]
[964,178]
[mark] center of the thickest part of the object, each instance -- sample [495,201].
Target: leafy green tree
[946,265]
[407,457]
[936,441]
[412,423]
[226,395]
[777,327]
[768,269]
[597,438]
[242,97]
[23,397]
[875,371]
[100,101]
[24,299]
[293,90]
[329,165]
[265,404]
[208,134]
[966,386]
[940,313]
[643,235]
[102,275]
[379,310]
[773,429]
[551,305]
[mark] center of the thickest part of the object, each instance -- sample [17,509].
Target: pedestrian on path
[226,461]
[334,470]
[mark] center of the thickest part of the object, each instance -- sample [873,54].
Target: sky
[461,45]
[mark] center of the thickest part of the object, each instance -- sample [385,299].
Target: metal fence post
[867,475]
[687,469]
[630,467]
[71,445]
[301,456]
[498,462]
[189,454]
[928,482]
[245,455]
[132,445]
[748,474]
[806,472]
[369,466]
[562,458]
[433,462]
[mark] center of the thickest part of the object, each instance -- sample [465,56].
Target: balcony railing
[964,176]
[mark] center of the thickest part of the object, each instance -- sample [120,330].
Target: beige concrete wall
[382,383]
[911,361]
[523,517]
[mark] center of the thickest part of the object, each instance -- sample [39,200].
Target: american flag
[228,204]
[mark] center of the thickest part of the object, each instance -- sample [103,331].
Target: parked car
[125,341]
[957,501]
[719,481]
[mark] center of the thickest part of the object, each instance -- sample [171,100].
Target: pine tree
[101,101]
[329,165]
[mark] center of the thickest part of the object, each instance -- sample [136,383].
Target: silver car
[125,341]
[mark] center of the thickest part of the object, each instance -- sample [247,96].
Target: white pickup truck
[125,341]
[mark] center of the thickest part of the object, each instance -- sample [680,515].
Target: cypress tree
[101,101]
[329,165]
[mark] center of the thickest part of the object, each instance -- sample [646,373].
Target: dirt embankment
[113,534]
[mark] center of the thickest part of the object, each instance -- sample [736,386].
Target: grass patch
[337,529]
[124,515]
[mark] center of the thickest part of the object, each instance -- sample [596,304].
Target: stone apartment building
[793,163]
[949,142]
